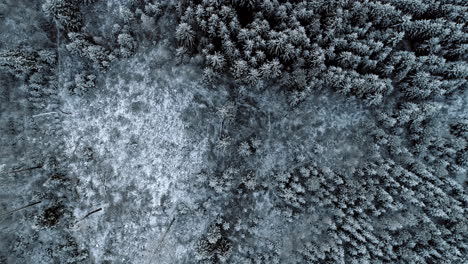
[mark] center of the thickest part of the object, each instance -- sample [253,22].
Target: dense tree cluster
[215,246]
[84,47]
[35,68]
[368,217]
[65,12]
[360,48]
[24,63]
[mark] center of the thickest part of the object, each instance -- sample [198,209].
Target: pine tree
[185,35]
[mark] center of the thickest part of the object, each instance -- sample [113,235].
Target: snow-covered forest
[234,131]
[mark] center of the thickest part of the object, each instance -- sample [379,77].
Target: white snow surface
[128,148]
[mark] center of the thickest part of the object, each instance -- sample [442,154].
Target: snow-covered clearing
[129,150]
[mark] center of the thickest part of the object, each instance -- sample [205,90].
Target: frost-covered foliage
[137,160]
[359,48]
[65,12]
[222,131]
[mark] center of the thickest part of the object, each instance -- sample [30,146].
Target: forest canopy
[233,131]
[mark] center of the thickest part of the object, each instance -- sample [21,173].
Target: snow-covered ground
[129,150]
